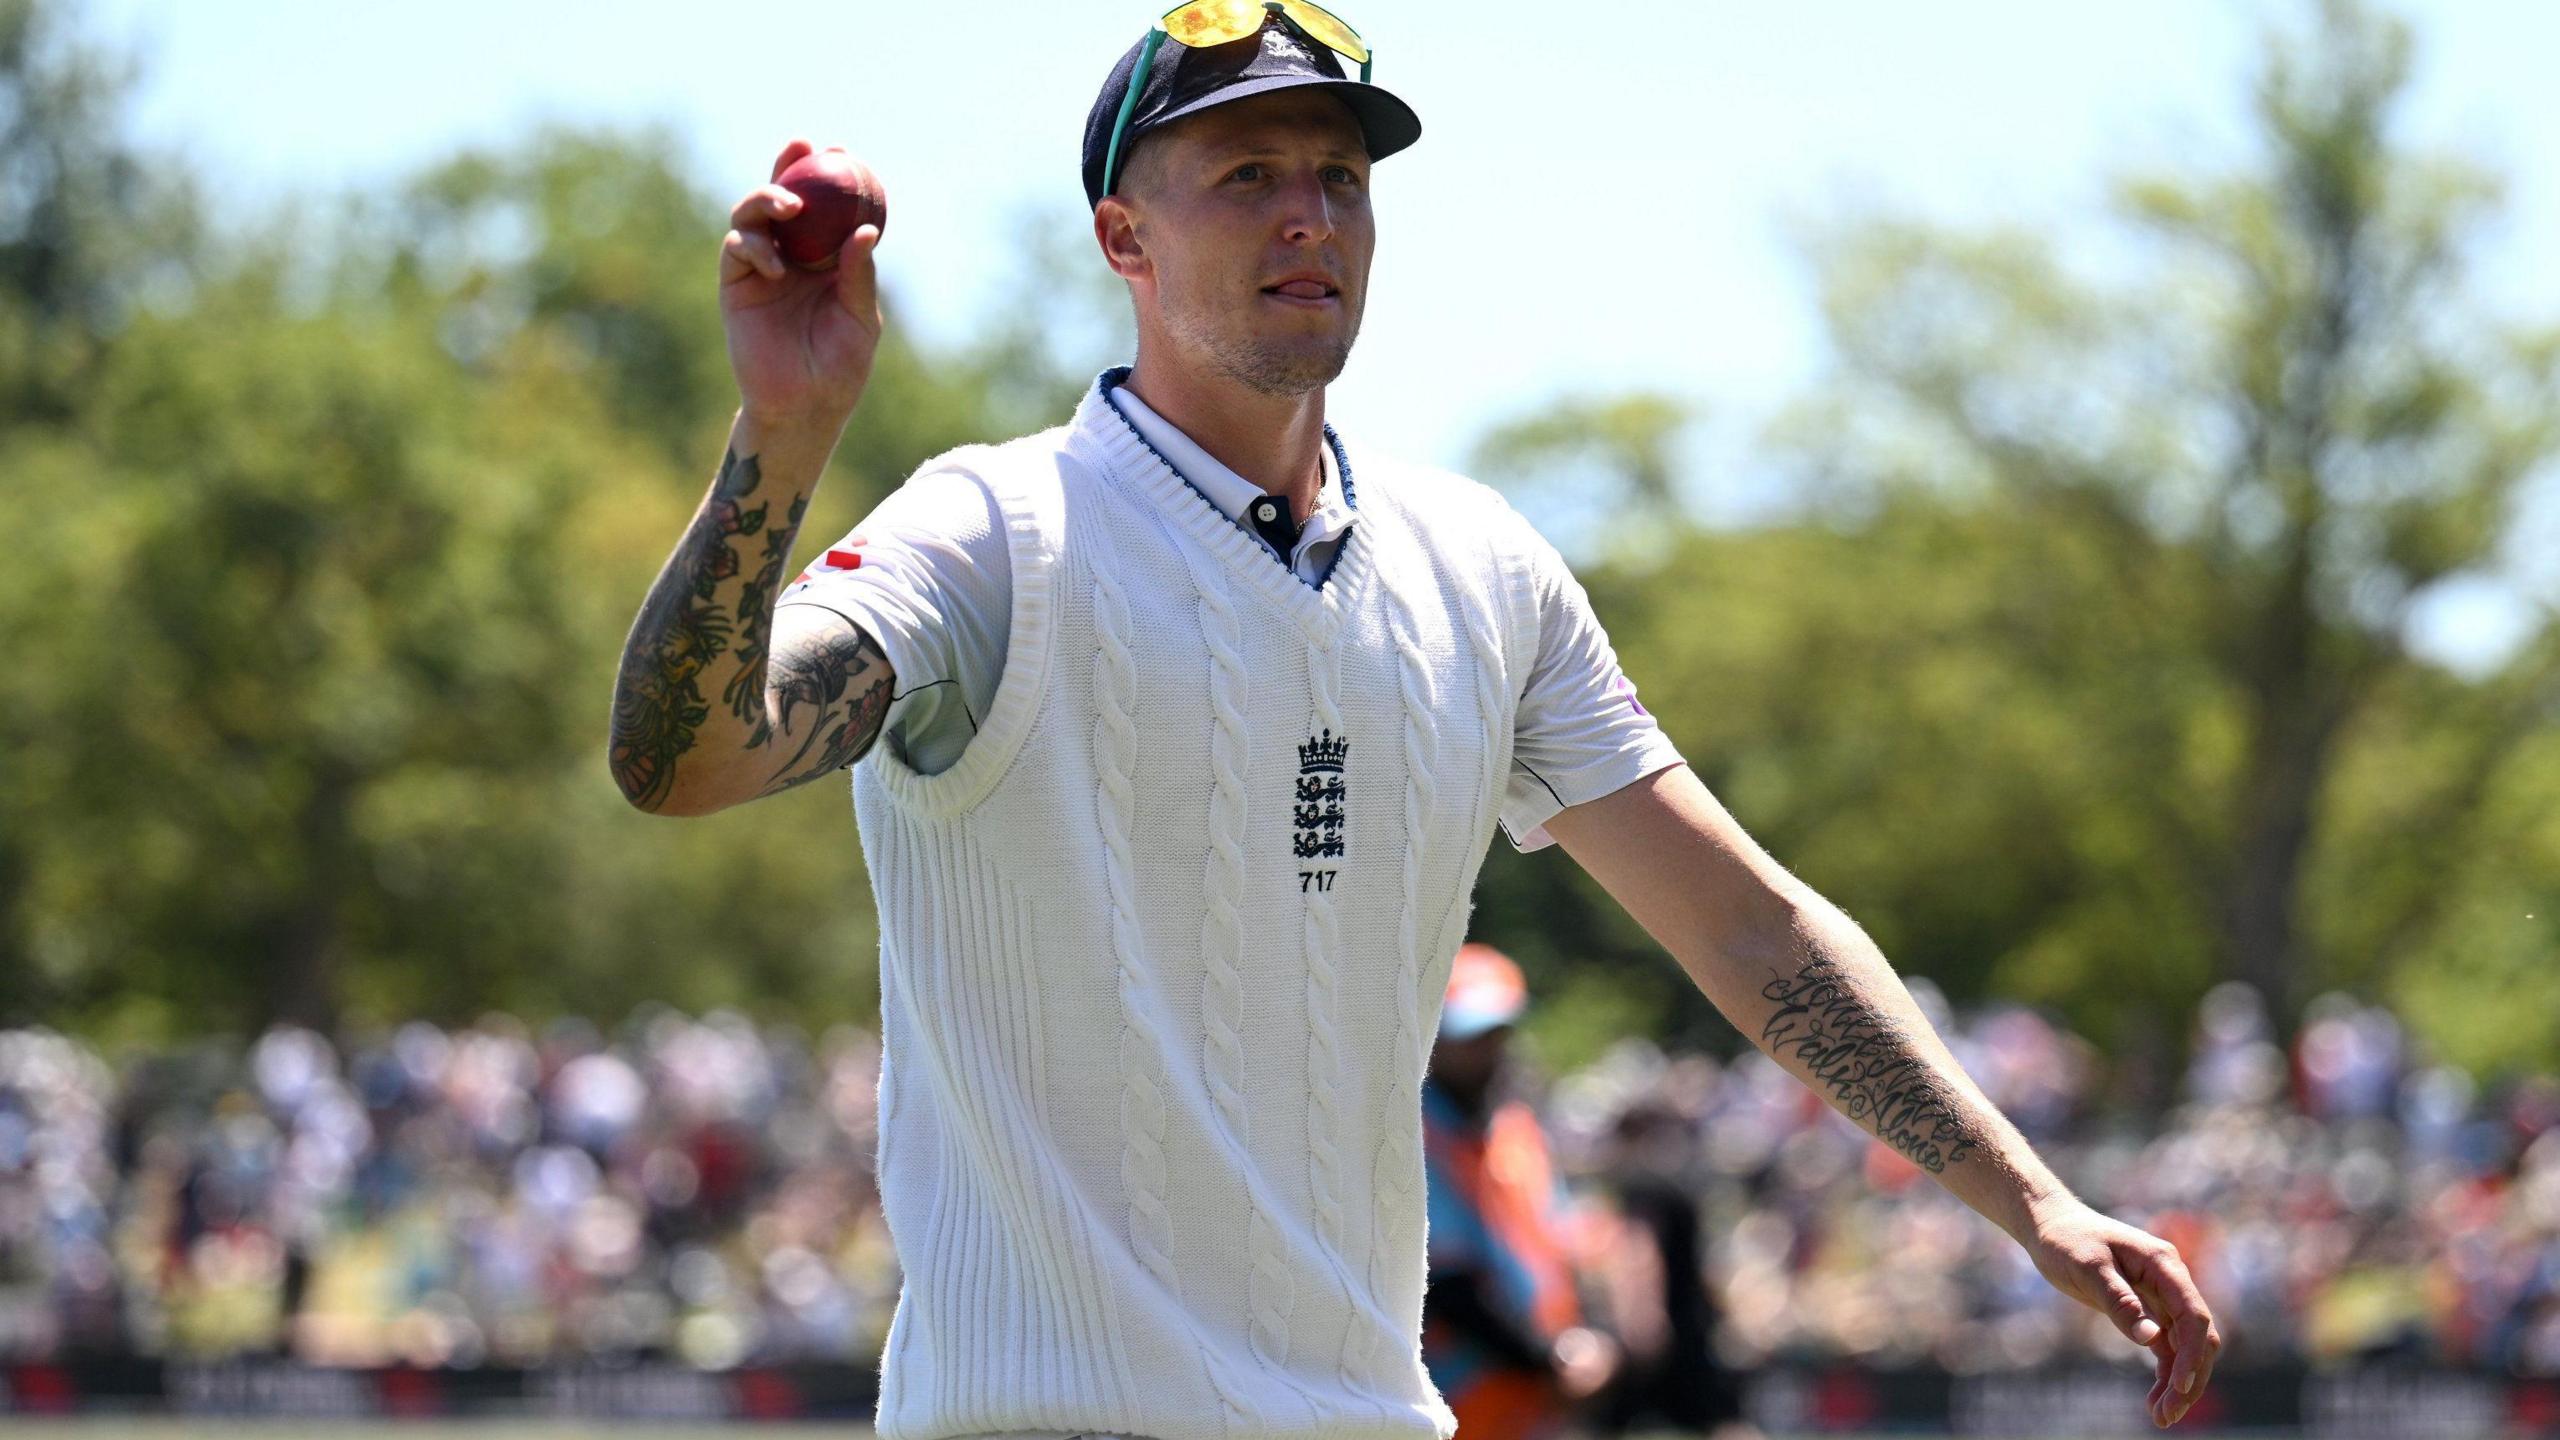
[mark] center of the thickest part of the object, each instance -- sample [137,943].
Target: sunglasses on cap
[1204,23]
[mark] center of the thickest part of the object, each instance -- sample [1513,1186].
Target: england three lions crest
[1324,764]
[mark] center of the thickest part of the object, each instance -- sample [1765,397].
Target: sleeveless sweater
[1162,954]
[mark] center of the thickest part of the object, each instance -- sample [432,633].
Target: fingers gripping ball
[838,196]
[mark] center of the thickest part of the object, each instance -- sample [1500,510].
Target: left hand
[2138,1281]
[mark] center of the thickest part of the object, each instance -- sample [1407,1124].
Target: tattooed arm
[719,700]
[722,698]
[1804,982]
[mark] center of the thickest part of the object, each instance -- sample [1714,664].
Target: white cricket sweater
[1162,955]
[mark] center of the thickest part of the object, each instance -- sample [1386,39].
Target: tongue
[1302,289]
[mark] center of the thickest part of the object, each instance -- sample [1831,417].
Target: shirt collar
[1223,487]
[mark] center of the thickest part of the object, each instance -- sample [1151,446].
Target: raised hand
[800,341]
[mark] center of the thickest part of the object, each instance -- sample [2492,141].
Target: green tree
[86,220]
[1603,467]
[87,224]
[2086,675]
[331,551]
[2298,414]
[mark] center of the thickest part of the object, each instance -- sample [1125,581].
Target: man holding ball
[1185,725]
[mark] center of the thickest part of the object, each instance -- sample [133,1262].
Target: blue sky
[1597,202]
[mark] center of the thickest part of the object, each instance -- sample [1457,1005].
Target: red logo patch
[845,558]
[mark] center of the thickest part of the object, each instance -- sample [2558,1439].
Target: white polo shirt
[928,576]
[1318,540]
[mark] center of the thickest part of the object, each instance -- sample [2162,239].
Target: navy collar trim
[1118,375]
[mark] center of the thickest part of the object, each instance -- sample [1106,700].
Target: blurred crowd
[2338,1198]
[699,1188]
[696,1188]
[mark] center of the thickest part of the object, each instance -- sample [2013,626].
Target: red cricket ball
[838,195]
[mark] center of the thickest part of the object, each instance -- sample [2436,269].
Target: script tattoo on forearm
[1874,1071]
[812,676]
[658,706]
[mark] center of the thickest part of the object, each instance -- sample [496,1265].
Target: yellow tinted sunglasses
[1204,23]
[1223,22]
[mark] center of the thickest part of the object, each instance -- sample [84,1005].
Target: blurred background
[2078,483]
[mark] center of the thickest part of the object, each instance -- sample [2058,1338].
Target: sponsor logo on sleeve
[847,556]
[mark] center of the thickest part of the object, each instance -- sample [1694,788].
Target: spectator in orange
[1502,1331]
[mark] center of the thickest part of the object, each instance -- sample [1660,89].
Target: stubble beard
[1262,364]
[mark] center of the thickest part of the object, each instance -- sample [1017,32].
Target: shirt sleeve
[1580,733]
[928,577]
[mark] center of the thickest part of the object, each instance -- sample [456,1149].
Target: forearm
[691,705]
[1804,982]
[1814,992]
[1807,985]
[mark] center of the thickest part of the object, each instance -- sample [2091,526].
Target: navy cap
[1185,81]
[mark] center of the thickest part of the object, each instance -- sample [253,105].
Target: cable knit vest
[1162,953]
